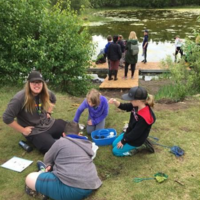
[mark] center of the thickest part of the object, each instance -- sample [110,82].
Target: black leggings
[44,141]
[132,69]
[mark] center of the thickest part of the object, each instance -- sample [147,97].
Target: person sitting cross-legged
[70,172]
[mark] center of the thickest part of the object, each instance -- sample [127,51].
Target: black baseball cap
[136,93]
[146,31]
[35,76]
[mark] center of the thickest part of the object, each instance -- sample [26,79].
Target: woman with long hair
[33,107]
[131,56]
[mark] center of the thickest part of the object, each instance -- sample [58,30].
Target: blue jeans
[49,185]
[121,151]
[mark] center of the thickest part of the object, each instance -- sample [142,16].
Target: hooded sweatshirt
[72,163]
[97,114]
[129,58]
[139,124]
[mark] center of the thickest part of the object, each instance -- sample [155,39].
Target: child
[145,45]
[178,45]
[114,55]
[98,110]
[141,120]
[69,170]
[109,38]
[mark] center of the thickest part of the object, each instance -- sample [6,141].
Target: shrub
[185,76]
[52,40]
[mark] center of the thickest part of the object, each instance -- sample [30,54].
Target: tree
[50,39]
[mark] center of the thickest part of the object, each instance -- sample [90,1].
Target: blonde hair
[93,96]
[29,103]
[132,35]
[149,101]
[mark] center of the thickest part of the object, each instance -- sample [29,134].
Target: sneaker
[133,152]
[149,146]
[30,192]
[34,193]
[41,166]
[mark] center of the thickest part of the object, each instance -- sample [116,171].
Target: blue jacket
[95,114]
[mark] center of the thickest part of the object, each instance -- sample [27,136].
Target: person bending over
[70,172]
[97,106]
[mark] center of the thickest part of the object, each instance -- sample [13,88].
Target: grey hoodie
[72,163]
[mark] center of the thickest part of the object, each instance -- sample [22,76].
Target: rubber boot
[110,75]
[115,74]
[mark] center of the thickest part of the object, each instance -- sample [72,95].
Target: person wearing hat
[140,122]
[32,107]
[145,45]
[70,171]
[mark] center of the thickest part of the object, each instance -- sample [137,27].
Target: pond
[163,26]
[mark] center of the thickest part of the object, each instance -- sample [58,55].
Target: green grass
[173,127]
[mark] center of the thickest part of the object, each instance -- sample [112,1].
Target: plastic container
[104,137]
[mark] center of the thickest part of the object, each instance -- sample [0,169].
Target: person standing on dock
[145,45]
[178,45]
[114,55]
[109,38]
[131,56]
[122,45]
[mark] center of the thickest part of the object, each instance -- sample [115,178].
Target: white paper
[94,148]
[17,164]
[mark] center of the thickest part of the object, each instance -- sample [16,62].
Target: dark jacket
[139,124]
[122,45]
[129,58]
[146,38]
[114,52]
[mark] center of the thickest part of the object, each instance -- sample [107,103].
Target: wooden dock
[127,83]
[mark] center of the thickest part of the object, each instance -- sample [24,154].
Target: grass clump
[177,126]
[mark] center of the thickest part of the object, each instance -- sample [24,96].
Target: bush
[52,40]
[185,76]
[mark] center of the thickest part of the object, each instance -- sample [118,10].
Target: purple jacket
[96,115]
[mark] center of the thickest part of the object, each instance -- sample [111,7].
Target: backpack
[134,49]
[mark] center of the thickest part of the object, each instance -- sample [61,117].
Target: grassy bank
[177,124]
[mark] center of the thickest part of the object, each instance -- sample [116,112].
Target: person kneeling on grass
[141,120]
[70,172]
[97,106]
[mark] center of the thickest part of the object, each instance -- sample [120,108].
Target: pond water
[163,26]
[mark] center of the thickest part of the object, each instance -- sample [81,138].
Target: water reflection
[163,25]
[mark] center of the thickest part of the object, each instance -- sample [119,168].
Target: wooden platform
[121,83]
[126,84]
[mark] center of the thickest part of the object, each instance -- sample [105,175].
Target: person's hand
[27,130]
[48,168]
[119,145]
[112,101]
[89,122]
[48,115]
